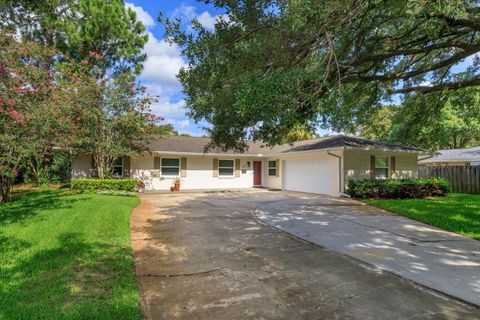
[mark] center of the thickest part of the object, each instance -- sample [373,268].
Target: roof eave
[285,153]
[420,152]
[203,154]
[449,160]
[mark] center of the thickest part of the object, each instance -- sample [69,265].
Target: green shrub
[103,184]
[398,188]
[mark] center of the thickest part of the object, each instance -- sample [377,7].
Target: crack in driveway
[181,274]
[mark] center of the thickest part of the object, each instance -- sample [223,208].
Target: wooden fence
[461,179]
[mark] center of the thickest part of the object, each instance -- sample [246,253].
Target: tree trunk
[35,168]
[5,187]
[103,165]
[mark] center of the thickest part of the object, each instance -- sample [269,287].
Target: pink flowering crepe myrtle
[12,113]
[153,118]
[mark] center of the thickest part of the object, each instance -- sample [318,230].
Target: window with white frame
[381,167]
[272,168]
[170,167]
[118,167]
[225,168]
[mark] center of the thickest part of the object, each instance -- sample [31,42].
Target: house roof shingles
[470,154]
[183,144]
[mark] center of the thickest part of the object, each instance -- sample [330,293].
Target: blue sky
[164,61]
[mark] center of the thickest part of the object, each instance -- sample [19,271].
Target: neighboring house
[453,157]
[322,165]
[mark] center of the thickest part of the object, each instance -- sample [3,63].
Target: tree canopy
[452,122]
[104,34]
[274,65]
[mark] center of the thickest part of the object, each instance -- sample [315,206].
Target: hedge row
[104,184]
[399,188]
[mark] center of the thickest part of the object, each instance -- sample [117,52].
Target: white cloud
[168,109]
[142,15]
[184,12]
[163,62]
[206,19]
[178,123]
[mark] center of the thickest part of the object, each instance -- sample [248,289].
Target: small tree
[116,124]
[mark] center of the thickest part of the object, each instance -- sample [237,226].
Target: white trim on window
[270,167]
[172,176]
[220,167]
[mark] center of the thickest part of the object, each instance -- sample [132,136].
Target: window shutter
[392,167]
[183,167]
[156,163]
[237,168]
[372,167]
[126,166]
[277,168]
[215,167]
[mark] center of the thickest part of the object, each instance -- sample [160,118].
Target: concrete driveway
[437,259]
[205,256]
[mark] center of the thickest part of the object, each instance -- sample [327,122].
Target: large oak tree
[274,65]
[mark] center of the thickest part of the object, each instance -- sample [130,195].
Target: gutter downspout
[339,171]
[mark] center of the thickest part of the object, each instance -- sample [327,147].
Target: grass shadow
[27,203]
[72,281]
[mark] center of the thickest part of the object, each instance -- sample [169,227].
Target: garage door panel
[315,175]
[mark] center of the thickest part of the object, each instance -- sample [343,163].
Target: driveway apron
[205,256]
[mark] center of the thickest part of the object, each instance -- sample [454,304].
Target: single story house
[453,157]
[322,165]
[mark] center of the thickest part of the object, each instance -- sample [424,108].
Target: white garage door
[317,174]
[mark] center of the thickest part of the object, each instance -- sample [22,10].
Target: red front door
[257,173]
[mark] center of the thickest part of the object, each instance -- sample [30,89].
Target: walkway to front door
[257,173]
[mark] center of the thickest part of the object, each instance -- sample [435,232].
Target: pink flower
[15,115]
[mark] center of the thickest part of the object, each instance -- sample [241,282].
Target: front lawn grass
[67,256]
[457,212]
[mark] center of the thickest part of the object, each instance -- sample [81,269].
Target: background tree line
[427,122]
